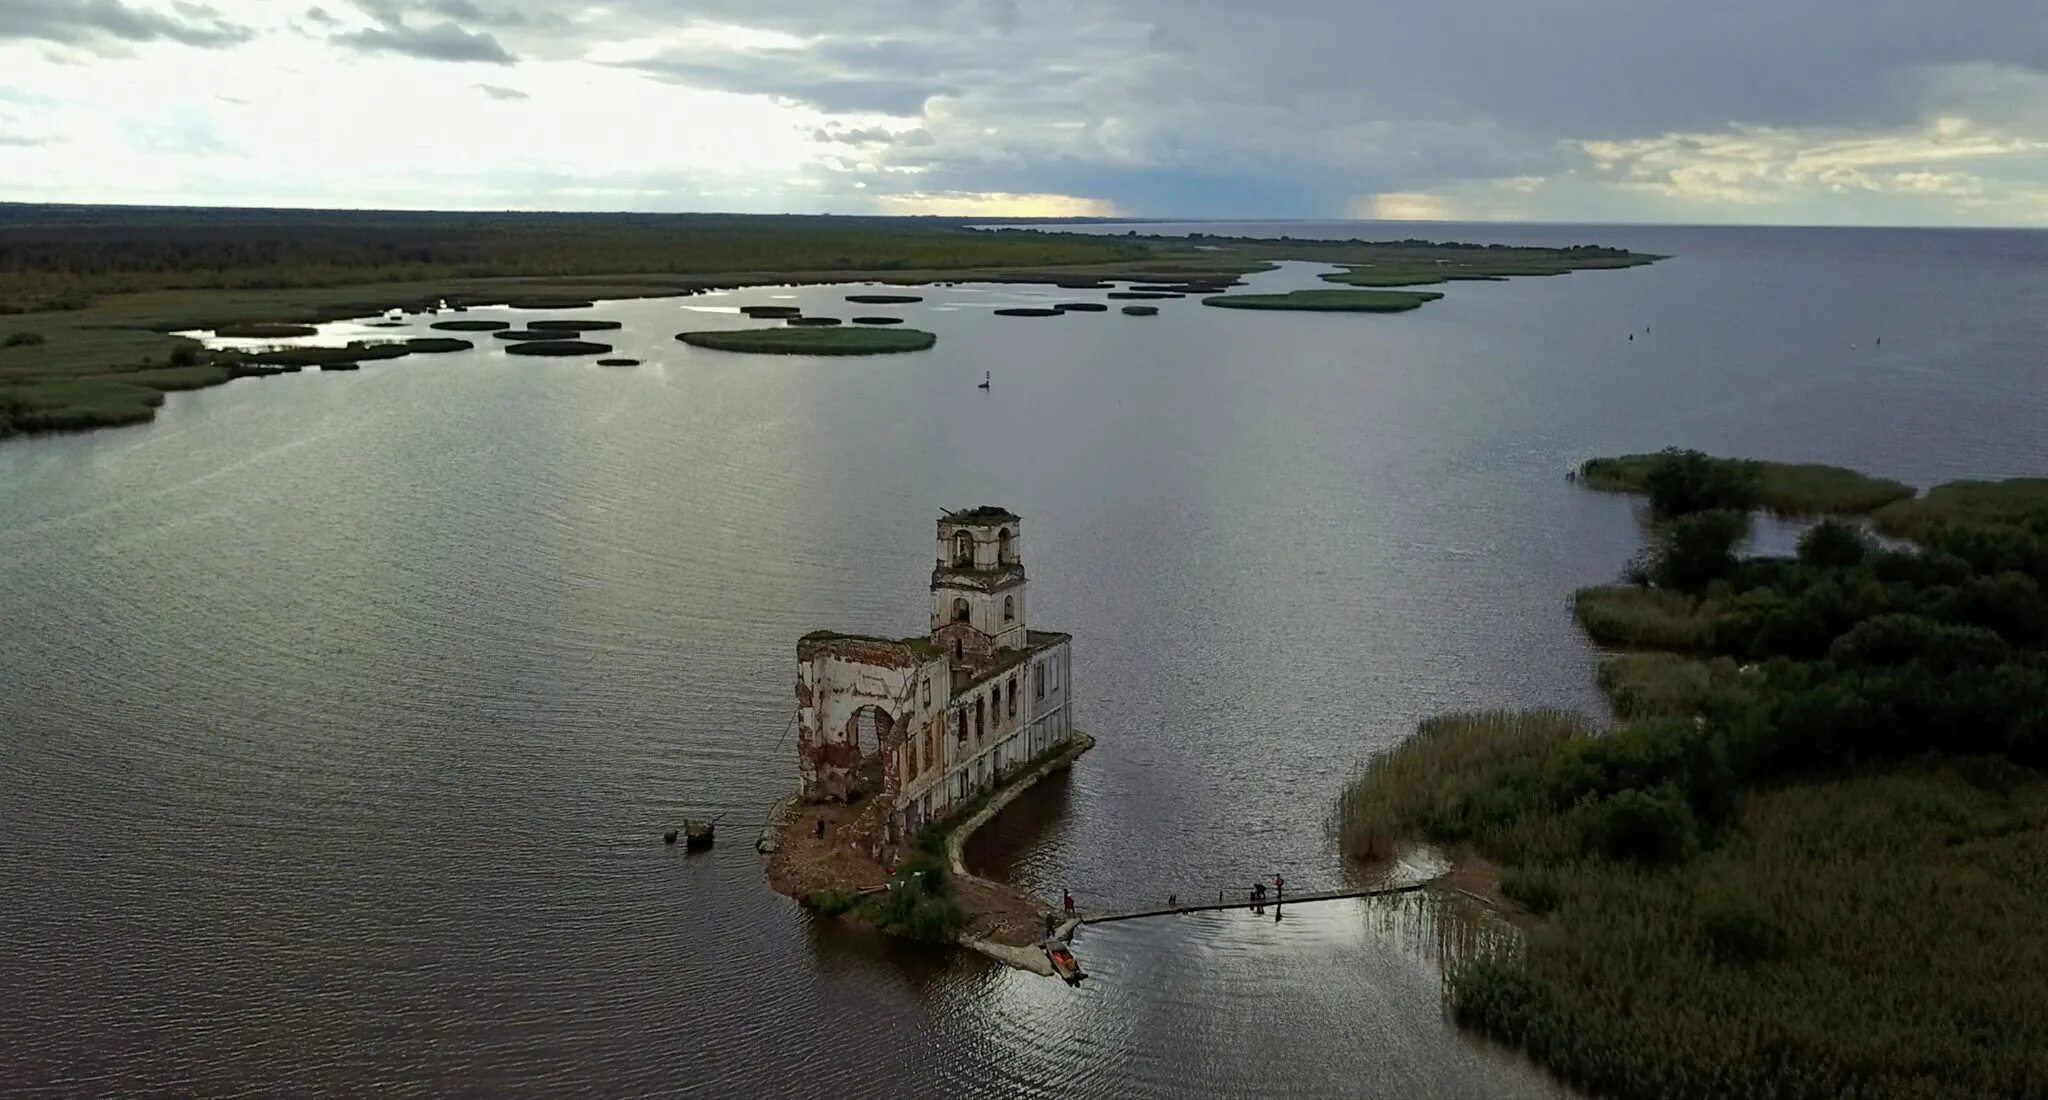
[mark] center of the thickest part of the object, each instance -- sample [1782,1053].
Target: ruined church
[925,723]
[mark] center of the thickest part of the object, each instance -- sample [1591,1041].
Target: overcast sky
[1892,112]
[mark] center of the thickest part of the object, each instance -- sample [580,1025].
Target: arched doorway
[1004,555]
[869,730]
[963,549]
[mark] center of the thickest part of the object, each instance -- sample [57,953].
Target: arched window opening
[963,549]
[959,653]
[1003,552]
[995,703]
[1013,697]
[979,725]
[960,610]
[869,728]
[1009,609]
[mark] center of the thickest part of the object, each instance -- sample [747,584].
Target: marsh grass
[1405,792]
[1635,617]
[839,340]
[1329,301]
[1786,488]
[557,348]
[1963,503]
[1870,936]
[1650,685]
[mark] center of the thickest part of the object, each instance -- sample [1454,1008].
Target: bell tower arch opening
[978,604]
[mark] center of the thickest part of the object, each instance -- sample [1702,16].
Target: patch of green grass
[1329,301]
[1869,936]
[268,330]
[557,347]
[1652,685]
[842,340]
[1787,488]
[1635,617]
[74,405]
[1964,503]
[1423,785]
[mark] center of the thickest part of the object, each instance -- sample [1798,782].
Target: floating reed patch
[432,345]
[573,326]
[558,347]
[470,326]
[884,299]
[266,331]
[846,340]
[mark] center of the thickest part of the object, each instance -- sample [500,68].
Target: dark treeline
[57,256]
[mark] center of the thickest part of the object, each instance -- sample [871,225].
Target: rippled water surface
[339,714]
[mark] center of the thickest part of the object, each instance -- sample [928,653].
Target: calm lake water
[340,714]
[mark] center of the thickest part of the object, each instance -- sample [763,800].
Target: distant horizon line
[998,220]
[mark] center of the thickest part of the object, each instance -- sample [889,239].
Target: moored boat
[1064,963]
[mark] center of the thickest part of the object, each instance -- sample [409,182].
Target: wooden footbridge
[1272,900]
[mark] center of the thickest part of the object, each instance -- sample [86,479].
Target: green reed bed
[1328,301]
[1790,488]
[1635,617]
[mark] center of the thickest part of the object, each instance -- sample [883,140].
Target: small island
[838,340]
[1329,301]
[1699,482]
[906,745]
[557,348]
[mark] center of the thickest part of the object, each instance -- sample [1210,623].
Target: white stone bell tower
[978,585]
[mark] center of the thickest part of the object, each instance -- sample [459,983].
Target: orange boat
[1064,963]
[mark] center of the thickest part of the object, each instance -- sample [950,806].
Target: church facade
[914,727]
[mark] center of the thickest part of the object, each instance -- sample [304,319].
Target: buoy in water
[985,376]
[669,837]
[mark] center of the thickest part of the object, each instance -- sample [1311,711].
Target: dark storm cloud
[440,42]
[890,77]
[93,22]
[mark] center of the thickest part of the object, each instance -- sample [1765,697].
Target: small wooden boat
[1064,963]
[697,835]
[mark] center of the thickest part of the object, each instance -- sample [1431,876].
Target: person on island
[1067,901]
